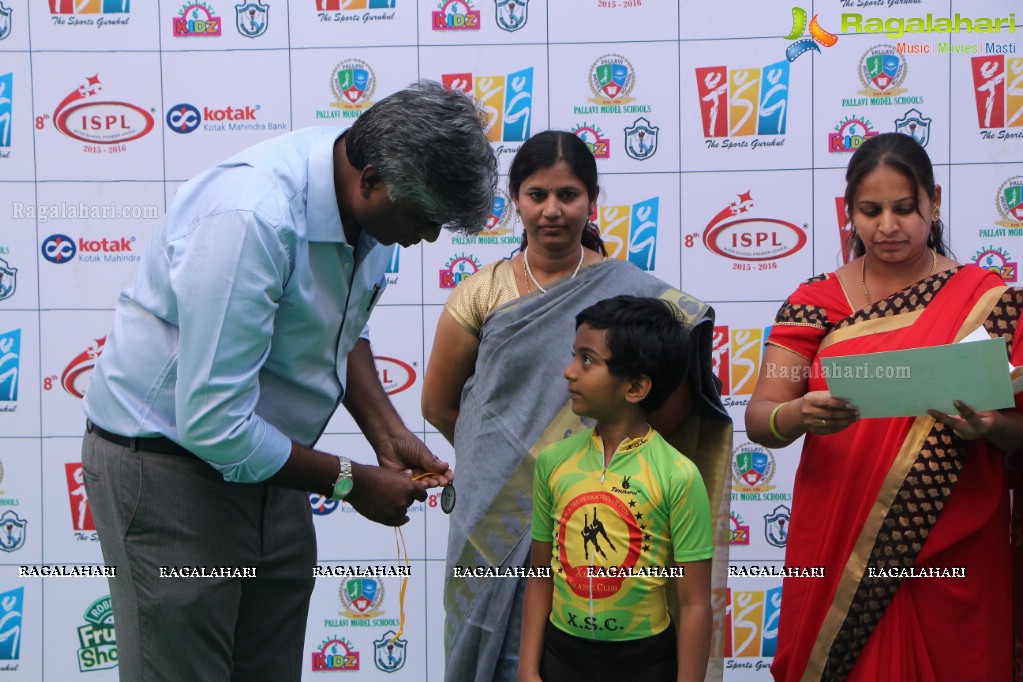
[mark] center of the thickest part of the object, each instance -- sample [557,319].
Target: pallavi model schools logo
[82,116]
[197,20]
[335,654]
[997,82]
[458,268]
[455,15]
[612,78]
[98,640]
[97,13]
[507,101]
[251,18]
[736,354]
[629,232]
[750,241]
[12,607]
[751,626]
[1009,202]
[882,72]
[511,15]
[596,142]
[849,134]
[4,500]
[6,113]
[352,83]
[361,598]
[5,21]
[752,469]
[499,227]
[8,280]
[359,11]
[744,103]
[10,369]
[998,261]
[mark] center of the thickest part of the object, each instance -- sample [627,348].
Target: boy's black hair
[645,337]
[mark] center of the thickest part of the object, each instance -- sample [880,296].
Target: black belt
[159,444]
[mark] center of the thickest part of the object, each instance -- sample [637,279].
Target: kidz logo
[751,239]
[849,134]
[752,468]
[6,109]
[743,102]
[506,100]
[997,88]
[736,355]
[10,363]
[353,84]
[612,79]
[738,532]
[997,260]
[196,19]
[395,375]
[630,232]
[751,623]
[76,376]
[81,117]
[336,654]
[882,71]
[817,35]
[8,280]
[593,136]
[81,514]
[511,15]
[457,269]
[456,15]
[12,605]
[97,637]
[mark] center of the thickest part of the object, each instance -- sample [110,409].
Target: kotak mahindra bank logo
[506,100]
[60,249]
[743,103]
[81,514]
[736,355]
[998,90]
[82,117]
[455,15]
[629,232]
[186,118]
[751,624]
[749,240]
[353,83]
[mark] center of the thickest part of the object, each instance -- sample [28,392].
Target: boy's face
[594,390]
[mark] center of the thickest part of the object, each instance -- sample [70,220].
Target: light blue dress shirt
[235,338]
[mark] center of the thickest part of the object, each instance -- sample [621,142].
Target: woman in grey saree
[514,403]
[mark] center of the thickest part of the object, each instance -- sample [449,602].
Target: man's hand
[408,453]
[383,495]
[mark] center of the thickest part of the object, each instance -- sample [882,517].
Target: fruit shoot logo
[630,232]
[818,36]
[507,101]
[743,103]
[998,92]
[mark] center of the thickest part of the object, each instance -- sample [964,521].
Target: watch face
[342,488]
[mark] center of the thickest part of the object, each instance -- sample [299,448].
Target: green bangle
[771,425]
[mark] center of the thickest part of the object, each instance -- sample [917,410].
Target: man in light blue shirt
[243,333]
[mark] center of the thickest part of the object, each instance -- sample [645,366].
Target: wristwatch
[343,485]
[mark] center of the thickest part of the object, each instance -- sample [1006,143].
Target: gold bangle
[771,425]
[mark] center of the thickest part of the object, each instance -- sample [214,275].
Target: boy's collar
[628,444]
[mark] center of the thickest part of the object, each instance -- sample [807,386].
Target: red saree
[898,493]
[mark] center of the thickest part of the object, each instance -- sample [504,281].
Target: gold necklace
[529,271]
[863,273]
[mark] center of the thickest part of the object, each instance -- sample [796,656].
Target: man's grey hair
[429,146]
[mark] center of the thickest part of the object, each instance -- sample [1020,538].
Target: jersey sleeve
[689,514]
[543,499]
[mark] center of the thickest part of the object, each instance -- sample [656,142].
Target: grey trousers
[154,510]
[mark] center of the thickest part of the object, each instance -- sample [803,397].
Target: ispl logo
[8,280]
[76,376]
[751,623]
[751,239]
[818,36]
[81,117]
[336,654]
[395,375]
[12,605]
[81,514]
[90,6]
[98,640]
[743,102]
[736,355]
[251,18]
[455,15]
[997,84]
[389,652]
[183,118]
[506,100]
[593,136]
[196,19]
[998,261]
[850,133]
[457,269]
[511,15]
[10,363]
[59,248]
[6,107]
[630,232]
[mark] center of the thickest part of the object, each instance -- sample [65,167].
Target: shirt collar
[323,222]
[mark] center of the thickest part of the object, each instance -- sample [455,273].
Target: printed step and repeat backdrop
[721,130]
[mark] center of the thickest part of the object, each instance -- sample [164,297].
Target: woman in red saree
[876,501]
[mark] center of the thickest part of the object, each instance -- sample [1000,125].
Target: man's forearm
[365,398]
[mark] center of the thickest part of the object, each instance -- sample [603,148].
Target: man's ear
[370,182]
[638,388]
